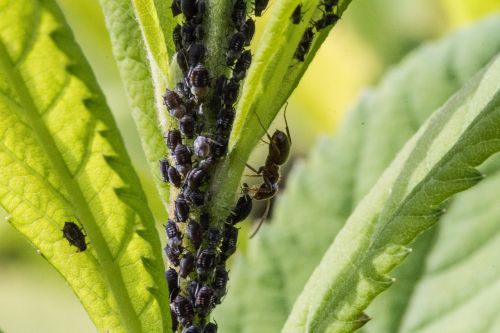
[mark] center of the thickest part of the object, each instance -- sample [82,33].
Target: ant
[279,150]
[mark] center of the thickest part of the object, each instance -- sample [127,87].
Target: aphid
[201,7]
[164,165]
[231,89]
[188,34]
[188,8]
[210,328]
[329,4]
[229,240]
[220,85]
[204,220]
[297,14]
[325,21]
[182,154]
[192,288]
[172,281]
[177,34]
[248,30]
[304,44]
[242,65]
[195,197]
[172,230]
[186,265]
[199,80]
[260,5]
[239,12]
[194,233]
[242,208]
[173,138]
[219,149]
[181,208]
[219,283]
[204,300]
[182,61]
[175,322]
[196,178]
[174,103]
[172,255]
[191,329]
[205,263]
[199,32]
[186,125]
[236,44]
[176,8]
[213,238]
[196,54]
[201,146]
[183,309]
[225,119]
[174,177]
[208,163]
[74,235]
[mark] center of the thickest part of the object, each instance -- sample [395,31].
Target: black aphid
[164,165]
[173,138]
[188,8]
[232,88]
[199,79]
[174,177]
[205,263]
[176,8]
[325,21]
[196,54]
[196,178]
[236,43]
[239,12]
[242,65]
[248,30]
[210,328]
[186,265]
[229,239]
[172,255]
[205,300]
[174,103]
[199,32]
[74,235]
[186,125]
[260,5]
[219,283]
[194,233]
[329,4]
[188,34]
[225,119]
[297,14]
[172,281]
[183,309]
[242,208]
[177,35]
[182,154]
[195,197]
[213,238]
[181,208]
[182,61]
[304,44]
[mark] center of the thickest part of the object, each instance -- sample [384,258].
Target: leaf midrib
[110,271]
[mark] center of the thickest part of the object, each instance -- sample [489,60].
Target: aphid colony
[328,18]
[203,105]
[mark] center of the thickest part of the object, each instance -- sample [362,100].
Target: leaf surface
[62,159]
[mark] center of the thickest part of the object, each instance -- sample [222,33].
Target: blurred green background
[373,35]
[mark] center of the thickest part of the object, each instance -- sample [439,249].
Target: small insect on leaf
[74,235]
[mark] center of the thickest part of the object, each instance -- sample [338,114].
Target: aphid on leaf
[304,44]
[260,5]
[297,14]
[325,21]
[74,235]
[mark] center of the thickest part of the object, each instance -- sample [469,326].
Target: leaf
[321,193]
[461,276]
[436,163]
[130,54]
[62,159]
[271,79]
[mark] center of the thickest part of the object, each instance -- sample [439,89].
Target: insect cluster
[329,17]
[198,248]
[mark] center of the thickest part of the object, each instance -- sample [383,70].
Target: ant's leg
[264,217]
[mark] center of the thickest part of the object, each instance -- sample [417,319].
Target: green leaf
[62,159]
[436,163]
[130,54]
[460,275]
[321,193]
